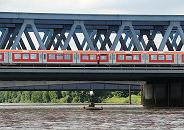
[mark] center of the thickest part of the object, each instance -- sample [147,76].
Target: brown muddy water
[113,117]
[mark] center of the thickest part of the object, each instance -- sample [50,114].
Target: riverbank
[65,105]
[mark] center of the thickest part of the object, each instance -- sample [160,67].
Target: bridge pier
[163,94]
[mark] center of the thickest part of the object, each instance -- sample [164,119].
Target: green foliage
[135,99]
[66,97]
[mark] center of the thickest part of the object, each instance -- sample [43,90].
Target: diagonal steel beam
[59,40]
[120,31]
[4,36]
[22,44]
[135,39]
[29,40]
[13,36]
[180,30]
[17,39]
[71,32]
[76,40]
[107,40]
[166,36]
[41,43]
[86,35]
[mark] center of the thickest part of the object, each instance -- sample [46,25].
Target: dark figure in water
[92,99]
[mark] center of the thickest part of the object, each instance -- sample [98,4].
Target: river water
[112,117]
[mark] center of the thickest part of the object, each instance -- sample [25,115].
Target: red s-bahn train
[90,57]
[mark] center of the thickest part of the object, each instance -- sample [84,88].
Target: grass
[136,99]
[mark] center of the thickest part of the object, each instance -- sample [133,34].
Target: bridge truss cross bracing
[29,31]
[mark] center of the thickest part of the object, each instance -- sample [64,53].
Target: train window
[67,56]
[92,57]
[25,56]
[33,56]
[153,57]
[51,56]
[121,57]
[17,56]
[128,57]
[59,56]
[85,56]
[103,57]
[135,57]
[160,57]
[168,57]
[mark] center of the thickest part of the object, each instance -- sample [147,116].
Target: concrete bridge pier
[163,94]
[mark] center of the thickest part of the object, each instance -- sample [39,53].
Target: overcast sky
[95,6]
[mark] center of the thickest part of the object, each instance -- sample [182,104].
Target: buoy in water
[93,108]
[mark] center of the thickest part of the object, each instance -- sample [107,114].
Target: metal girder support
[92,37]
[180,31]
[22,29]
[51,39]
[13,36]
[150,36]
[71,32]
[3,36]
[168,32]
[107,40]
[3,32]
[174,40]
[29,40]
[59,39]
[45,36]
[123,42]
[75,38]
[6,38]
[98,35]
[134,36]
[22,44]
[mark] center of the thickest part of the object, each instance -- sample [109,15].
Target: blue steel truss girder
[126,31]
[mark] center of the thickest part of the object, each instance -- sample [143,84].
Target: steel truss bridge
[37,31]
[29,31]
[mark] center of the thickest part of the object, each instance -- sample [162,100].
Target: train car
[161,58]
[59,57]
[94,57]
[4,56]
[128,57]
[87,57]
[180,58]
[24,57]
[105,57]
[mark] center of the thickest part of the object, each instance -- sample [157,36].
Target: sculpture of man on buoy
[92,99]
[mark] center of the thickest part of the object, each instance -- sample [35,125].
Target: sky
[150,7]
